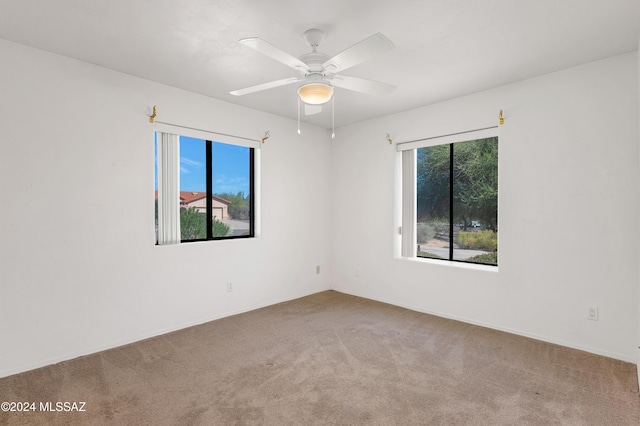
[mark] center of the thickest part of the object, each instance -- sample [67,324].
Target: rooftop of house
[187,197]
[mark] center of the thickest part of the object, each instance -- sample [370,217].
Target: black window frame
[209,196]
[451,208]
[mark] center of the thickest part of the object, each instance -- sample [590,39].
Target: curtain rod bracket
[389,139]
[152,117]
[266,136]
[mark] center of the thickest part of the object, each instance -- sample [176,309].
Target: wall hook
[501,117]
[389,139]
[152,117]
[266,136]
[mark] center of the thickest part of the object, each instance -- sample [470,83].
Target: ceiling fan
[318,72]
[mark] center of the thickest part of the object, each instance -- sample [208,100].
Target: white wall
[568,210]
[79,271]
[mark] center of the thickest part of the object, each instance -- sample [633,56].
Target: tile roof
[188,197]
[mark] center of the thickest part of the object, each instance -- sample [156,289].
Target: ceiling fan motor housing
[313,37]
[314,60]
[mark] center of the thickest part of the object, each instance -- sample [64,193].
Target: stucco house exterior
[220,206]
[198,200]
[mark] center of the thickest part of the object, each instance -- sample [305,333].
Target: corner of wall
[638,311]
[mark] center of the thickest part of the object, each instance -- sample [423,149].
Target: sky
[230,167]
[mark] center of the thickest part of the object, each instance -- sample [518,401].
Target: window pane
[215,190]
[193,189]
[433,206]
[231,186]
[475,201]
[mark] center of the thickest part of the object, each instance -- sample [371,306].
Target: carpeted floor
[332,359]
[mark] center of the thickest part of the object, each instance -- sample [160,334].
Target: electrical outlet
[318,269]
[592,313]
[229,286]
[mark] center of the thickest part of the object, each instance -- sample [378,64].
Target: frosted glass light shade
[315,93]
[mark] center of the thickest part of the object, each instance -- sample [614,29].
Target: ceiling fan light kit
[315,93]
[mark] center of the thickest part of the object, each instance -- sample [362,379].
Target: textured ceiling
[444,48]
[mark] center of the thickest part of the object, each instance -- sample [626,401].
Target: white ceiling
[444,48]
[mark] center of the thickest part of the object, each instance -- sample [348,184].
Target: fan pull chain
[333,116]
[298,115]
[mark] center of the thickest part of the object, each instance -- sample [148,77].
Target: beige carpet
[332,359]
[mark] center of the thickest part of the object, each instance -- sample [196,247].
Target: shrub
[193,224]
[425,232]
[428,255]
[440,226]
[486,240]
[220,229]
[488,258]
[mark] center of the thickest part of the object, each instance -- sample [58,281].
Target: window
[204,191]
[450,198]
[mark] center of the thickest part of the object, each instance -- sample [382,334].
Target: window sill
[451,264]
[196,242]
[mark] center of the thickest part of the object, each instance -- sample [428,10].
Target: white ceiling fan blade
[274,53]
[312,109]
[265,86]
[363,85]
[360,52]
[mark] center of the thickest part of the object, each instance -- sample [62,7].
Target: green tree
[475,182]
[433,183]
[239,207]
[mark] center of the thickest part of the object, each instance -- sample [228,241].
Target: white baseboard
[88,351]
[560,342]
